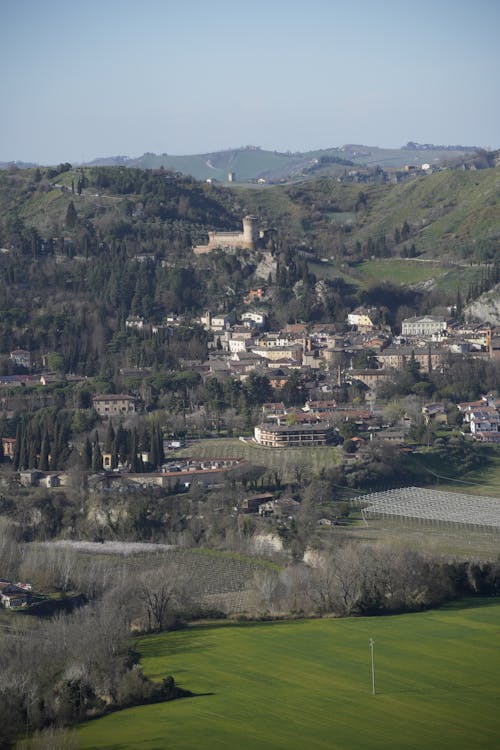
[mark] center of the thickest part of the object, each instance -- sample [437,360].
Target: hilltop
[251,163]
[451,215]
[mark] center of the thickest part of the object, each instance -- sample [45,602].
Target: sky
[80,80]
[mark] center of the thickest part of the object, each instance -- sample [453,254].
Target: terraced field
[307,684]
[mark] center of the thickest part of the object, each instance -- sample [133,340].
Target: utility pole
[372,647]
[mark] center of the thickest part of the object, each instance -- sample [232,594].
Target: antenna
[372,650]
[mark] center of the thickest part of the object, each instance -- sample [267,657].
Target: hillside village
[313,362]
[168,333]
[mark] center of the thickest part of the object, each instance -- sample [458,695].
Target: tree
[44,453]
[96,455]
[71,216]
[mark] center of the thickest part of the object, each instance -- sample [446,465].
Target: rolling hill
[252,163]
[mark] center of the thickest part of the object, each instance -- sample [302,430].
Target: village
[316,362]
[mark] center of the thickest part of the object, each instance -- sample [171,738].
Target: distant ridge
[249,163]
[252,163]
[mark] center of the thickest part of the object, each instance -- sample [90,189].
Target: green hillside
[347,229]
[252,162]
[308,684]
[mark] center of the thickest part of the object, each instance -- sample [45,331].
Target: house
[254,318]
[13,596]
[320,407]
[371,378]
[109,404]
[137,323]
[434,414]
[282,507]
[29,478]
[215,322]
[252,504]
[363,318]
[8,445]
[486,419]
[254,295]
[276,353]
[21,357]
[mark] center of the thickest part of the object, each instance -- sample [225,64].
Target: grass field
[307,684]
[402,271]
[284,460]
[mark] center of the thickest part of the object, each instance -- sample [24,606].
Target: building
[295,436]
[397,357]
[485,419]
[8,445]
[247,239]
[277,353]
[254,295]
[137,323]
[215,322]
[21,357]
[364,319]
[425,326]
[12,595]
[252,504]
[109,404]
[254,318]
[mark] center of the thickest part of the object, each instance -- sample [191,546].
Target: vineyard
[217,580]
[424,506]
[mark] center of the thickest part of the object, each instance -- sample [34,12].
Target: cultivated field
[307,684]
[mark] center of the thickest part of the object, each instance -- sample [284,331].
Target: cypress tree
[32,455]
[44,453]
[71,215]
[96,457]
[110,438]
[153,453]
[17,446]
[54,455]
[87,453]
[23,453]
[135,464]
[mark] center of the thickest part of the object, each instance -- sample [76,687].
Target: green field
[307,684]
[402,271]
[399,271]
[284,460]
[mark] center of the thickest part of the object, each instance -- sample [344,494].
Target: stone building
[247,239]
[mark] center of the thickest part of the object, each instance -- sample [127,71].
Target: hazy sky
[87,78]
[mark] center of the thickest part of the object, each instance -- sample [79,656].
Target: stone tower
[250,231]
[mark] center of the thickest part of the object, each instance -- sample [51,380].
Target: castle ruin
[248,239]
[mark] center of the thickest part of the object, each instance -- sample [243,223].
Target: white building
[425,326]
[252,317]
